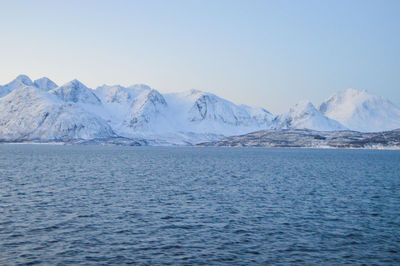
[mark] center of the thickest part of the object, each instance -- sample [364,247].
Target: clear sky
[265,53]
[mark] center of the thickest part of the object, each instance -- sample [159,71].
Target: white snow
[45,84]
[361,111]
[29,113]
[305,116]
[75,91]
[41,110]
[18,82]
[178,118]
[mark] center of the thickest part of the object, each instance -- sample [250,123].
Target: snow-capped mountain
[188,117]
[29,113]
[76,92]
[361,111]
[207,113]
[145,109]
[18,82]
[133,111]
[209,107]
[45,84]
[41,110]
[119,94]
[114,94]
[305,116]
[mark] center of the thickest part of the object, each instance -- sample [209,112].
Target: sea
[97,205]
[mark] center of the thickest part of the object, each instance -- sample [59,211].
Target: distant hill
[303,138]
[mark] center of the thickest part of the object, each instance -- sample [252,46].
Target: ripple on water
[147,205]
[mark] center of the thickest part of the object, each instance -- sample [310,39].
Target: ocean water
[149,205]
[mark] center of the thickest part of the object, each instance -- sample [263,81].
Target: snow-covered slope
[23,80]
[145,109]
[305,116]
[205,112]
[132,110]
[18,82]
[119,94]
[209,107]
[45,84]
[358,110]
[76,92]
[41,110]
[189,117]
[114,94]
[30,113]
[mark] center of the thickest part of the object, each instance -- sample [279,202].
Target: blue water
[147,205]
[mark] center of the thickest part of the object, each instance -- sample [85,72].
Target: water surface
[148,205]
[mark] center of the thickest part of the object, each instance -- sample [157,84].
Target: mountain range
[42,111]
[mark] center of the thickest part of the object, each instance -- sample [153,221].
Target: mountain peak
[45,83]
[19,81]
[304,115]
[352,91]
[114,94]
[354,94]
[303,106]
[200,93]
[362,111]
[145,108]
[152,97]
[140,87]
[75,91]
[24,79]
[75,84]
[194,91]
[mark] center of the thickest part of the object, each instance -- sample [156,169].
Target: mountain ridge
[361,111]
[139,112]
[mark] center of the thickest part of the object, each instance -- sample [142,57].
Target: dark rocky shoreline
[298,138]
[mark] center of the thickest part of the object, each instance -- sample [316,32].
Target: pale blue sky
[266,53]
